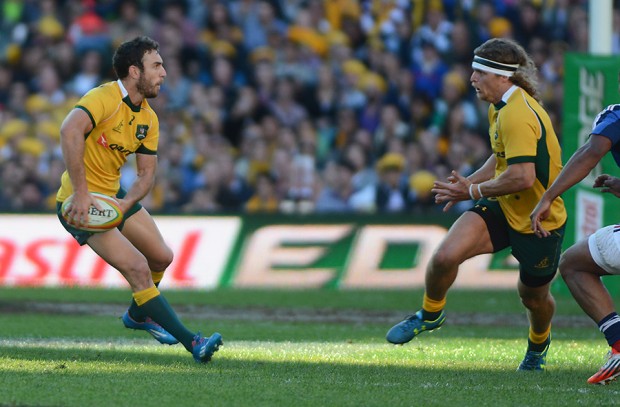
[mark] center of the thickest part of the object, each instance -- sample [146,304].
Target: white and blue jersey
[607,124]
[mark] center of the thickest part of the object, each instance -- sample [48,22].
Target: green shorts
[82,236]
[538,257]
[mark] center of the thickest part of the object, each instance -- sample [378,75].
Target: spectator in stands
[530,24]
[281,167]
[265,197]
[373,87]
[429,70]
[336,195]
[202,201]
[321,99]
[391,126]
[364,174]
[219,25]
[6,78]
[177,85]
[47,84]
[130,21]
[257,19]
[284,106]
[453,110]
[351,62]
[346,125]
[301,183]
[392,193]
[434,32]
[89,75]
[231,191]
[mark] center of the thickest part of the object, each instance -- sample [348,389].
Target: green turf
[462,300]
[84,360]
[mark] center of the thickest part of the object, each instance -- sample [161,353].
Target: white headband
[495,67]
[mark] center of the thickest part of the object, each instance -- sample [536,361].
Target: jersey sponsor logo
[103,140]
[500,154]
[118,127]
[121,149]
[141,131]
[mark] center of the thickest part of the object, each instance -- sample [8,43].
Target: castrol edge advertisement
[36,251]
[249,252]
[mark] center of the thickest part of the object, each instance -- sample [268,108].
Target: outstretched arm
[517,177]
[576,169]
[452,191]
[484,173]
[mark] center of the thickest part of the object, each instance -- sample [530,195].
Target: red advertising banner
[35,250]
[244,252]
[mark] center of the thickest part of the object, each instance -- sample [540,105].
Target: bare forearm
[517,177]
[140,188]
[147,167]
[575,170]
[484,173]
[507,183]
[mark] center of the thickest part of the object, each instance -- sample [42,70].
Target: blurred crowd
[291,106]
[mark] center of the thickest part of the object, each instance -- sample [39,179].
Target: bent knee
[444,259]
[536,302]
[567,264]
[162,260]
[565,268]
[136,271]
[138,265]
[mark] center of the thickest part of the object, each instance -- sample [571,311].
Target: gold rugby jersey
[119,129]
[521,131]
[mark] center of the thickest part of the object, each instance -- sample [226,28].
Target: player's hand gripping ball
[109,217]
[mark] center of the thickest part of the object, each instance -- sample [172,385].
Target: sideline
[307,315]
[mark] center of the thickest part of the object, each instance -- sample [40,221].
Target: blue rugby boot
[205,346]
[150,326]
[411,326]
[535,361]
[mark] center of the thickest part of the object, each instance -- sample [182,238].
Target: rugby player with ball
[107,125]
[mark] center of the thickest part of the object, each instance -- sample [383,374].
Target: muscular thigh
[116,250]
[468,237]
[141,230]
[599,254]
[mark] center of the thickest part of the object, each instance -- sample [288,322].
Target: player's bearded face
[147,88]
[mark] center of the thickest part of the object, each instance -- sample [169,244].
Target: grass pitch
[67,347]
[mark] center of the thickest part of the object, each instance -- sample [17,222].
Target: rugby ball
[109,217]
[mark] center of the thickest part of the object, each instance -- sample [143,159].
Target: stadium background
[299,141]
[319,124]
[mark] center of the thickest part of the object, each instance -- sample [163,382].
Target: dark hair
[344,162]
[510,52]
[131,53]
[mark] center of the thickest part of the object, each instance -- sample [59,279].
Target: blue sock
[610,327]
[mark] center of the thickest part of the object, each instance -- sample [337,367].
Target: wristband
[480,192]
[471,192]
